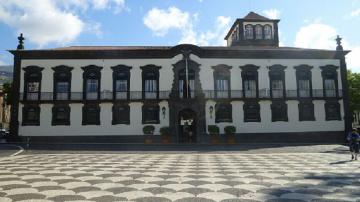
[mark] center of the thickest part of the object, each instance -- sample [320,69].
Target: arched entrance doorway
[187,126]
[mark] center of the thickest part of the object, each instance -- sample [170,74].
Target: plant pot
[148,139]
[231,139]
[215,139]
[165,139]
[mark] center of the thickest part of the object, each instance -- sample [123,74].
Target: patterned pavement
[181,177]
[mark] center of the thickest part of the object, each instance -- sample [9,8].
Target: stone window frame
[277,71]
[85,112]
[271,32]
[247,33]
[153,69]
[221,110]
[279,111]
[156,109]
[32,74]
[62,73]
[330,71]
[121,71]
[55,109]
[116,119]
[25,111]
[91,72]
[256,30]
[222,71]
[330,117]
[306,105]
[249,106]
[250,70]
[303,72]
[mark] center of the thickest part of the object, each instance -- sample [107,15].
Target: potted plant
[165,134]
[148,132]
[230,134]
[214,133]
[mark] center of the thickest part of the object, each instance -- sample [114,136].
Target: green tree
[7,88]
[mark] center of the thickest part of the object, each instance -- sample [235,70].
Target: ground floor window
[61,115]
[279,111]
[31,115]
[91,114]
[150,114]
[251,112]
[306,111]
[121,114]
[223,112]
[332,110]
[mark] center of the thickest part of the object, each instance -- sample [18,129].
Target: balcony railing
[163,95]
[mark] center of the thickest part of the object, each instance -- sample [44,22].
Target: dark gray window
[251,112]
[332,110]
[267,32]
[249,32]
[61,115]
[32,82]
[330,80]
[92,80]
[31,115]
[223,112]
[62,82]
[222,81]
[150,81]
[91,114]
[121,114]
[303,81]
[306,111]
[279,111]
[121,82]
[150,114]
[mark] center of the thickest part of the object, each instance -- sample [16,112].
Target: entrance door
[187,126]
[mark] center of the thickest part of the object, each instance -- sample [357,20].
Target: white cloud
[162,21]
[355,13]
[117,5]
[43,23]
[322,36]
[272,13]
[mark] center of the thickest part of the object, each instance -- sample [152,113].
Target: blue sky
[56,23]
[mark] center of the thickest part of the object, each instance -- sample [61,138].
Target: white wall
[166,78]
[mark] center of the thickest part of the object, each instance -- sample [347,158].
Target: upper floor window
[330,80]
[32,82]
[258,32]
[303,80]
[186,87]
[92,79]
[277,81]
[249,76]
[267,32]
[62,82]
[121,82]
[31,115]
[249,32]
[150,81]
[222,81]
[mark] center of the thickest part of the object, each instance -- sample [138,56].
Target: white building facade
[269,93]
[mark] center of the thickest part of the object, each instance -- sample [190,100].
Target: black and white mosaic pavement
[179,177]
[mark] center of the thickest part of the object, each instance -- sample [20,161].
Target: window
[182,84]
[258,32]
[150,114]
[31,115]
[332,110]
[251,112]
[222,81]
[303,80]
[249,76]
[121,82]
[61,115]
[91,114]
[267,32]
[223,112]
[121,114]
[277,81]
[306,111]
[62,82]
[249,32]
[91,76]
[32,82]
[330,81]
[150,77]
[279,111]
